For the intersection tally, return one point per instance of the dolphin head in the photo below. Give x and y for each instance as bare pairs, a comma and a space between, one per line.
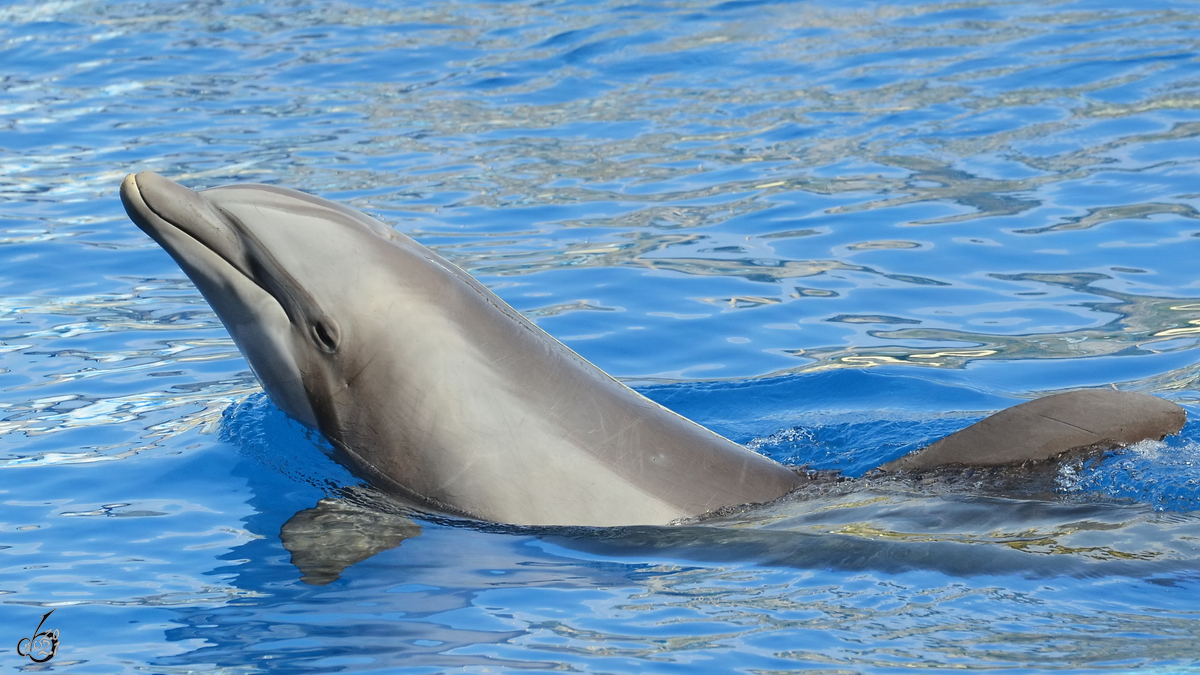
279, 267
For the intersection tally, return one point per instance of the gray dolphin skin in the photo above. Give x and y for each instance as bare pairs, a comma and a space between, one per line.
430, 385
434, 389
1048, 427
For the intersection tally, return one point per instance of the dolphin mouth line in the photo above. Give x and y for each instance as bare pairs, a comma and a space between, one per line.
132, 192
257, 258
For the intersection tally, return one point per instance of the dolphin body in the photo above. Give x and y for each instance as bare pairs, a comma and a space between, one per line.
429, 384
434, 389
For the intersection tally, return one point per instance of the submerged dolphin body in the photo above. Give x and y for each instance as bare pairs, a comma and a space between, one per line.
434, 389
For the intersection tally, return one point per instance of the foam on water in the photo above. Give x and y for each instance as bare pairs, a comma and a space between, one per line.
1165, 474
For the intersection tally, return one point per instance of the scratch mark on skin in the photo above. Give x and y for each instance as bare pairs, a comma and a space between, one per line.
1055, 419
358, 373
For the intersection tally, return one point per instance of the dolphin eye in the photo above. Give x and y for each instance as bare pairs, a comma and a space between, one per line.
325, 335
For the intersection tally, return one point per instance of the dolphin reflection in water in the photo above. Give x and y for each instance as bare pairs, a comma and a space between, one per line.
438, 393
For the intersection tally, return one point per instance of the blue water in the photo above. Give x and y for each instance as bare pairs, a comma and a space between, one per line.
832, 231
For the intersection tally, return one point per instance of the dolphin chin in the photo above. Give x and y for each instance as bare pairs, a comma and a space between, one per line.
434, 389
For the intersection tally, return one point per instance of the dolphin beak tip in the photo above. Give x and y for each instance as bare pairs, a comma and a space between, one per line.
131, 194
147, 187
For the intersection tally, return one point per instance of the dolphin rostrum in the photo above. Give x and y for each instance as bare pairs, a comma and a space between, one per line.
434, 389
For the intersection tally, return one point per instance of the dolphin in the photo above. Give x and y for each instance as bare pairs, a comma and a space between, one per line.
428, 384
435, 390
